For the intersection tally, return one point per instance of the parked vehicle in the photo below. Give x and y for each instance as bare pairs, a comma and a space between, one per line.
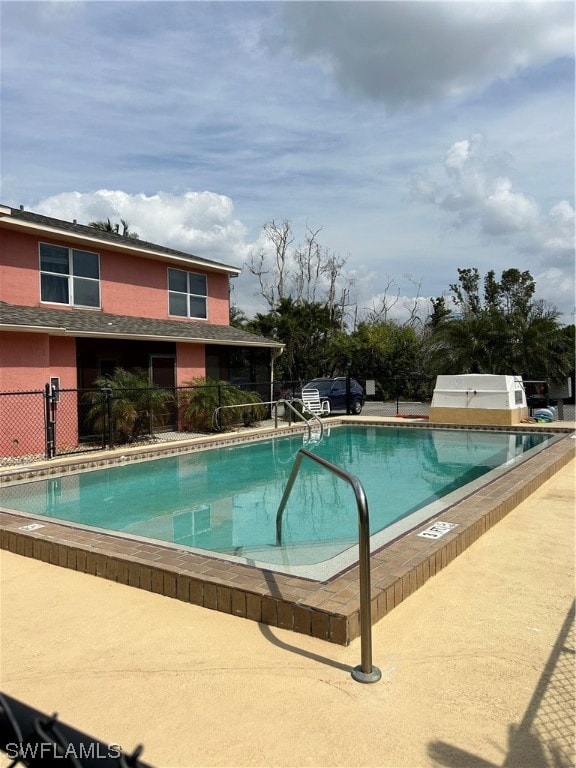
333, 392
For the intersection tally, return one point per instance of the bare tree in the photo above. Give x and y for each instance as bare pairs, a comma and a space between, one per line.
348, 307
412, 306
306, 272
273, 277
379, 312
391, 296
308, 267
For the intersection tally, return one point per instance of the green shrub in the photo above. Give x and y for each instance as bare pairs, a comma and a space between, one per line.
198, 404
138, 406
256, 412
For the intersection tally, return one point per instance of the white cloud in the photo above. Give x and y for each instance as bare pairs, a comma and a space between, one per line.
558, 285
476, 196
201, 223
558, 235
505, 211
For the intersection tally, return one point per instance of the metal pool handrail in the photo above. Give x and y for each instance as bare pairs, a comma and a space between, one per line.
217, 410
275, 404
300, 416
365, 672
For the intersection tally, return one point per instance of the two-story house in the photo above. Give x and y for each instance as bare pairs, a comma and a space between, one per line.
77, 302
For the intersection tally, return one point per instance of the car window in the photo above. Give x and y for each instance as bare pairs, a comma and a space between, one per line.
321, 385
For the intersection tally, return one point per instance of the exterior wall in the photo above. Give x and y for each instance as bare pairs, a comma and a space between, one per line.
129, 285
63, 361
63, 365
19, 269
504, 417
139, 288
27, 363
190, 362
31, 359
24, 362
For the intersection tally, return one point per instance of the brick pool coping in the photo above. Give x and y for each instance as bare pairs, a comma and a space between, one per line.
329, 610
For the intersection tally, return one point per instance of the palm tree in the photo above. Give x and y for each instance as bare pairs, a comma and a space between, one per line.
533, 346
508, 333
198, 403
107, 226
138, 406
463, 345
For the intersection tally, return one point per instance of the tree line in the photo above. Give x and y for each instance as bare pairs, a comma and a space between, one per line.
484, 324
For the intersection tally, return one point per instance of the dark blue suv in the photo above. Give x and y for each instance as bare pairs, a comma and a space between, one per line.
333, 391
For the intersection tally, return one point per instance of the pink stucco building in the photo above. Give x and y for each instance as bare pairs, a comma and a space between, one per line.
77, 302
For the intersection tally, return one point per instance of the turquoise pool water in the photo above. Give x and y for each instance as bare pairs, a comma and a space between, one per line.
225, 499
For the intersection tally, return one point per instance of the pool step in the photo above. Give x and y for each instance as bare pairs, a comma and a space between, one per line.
299, 553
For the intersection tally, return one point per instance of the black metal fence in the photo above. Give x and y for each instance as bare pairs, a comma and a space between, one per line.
54, 422
46, 423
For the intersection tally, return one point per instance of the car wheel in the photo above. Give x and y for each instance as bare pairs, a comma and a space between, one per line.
356, 406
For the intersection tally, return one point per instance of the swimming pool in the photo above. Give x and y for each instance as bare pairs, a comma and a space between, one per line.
224, 500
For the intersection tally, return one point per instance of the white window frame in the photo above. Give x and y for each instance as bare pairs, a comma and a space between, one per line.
188, 293
69, 276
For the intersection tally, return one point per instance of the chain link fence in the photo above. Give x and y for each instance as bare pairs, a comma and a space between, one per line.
43, 424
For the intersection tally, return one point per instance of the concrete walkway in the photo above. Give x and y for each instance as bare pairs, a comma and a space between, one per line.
477, 665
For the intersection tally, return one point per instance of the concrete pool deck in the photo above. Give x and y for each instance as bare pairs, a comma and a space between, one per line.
477, 665
328, 610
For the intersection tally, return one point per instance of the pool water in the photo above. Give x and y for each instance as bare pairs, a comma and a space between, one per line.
225, 499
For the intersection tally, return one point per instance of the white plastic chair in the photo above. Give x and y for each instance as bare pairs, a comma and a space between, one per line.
313, 404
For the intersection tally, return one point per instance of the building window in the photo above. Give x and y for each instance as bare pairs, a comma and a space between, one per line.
187, 294
69, 276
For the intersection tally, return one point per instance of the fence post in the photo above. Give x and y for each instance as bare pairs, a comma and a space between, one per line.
107, 405
49, 422
348, 390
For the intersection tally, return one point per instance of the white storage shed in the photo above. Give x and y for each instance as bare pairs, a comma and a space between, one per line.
478, 399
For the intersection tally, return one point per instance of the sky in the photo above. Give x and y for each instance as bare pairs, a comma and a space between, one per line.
418, 137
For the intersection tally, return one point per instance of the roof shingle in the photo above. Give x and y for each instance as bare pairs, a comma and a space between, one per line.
113, 238
81, 322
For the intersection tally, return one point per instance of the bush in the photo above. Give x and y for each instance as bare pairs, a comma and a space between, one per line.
256, 412
137, 406
198, 404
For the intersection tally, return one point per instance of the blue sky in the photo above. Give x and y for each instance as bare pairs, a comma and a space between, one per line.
420, 136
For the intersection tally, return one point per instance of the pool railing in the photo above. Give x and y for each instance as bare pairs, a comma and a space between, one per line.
274, 404
365, 672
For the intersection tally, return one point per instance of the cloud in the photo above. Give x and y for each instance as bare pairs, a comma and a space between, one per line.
246, 112
506, 211
558, 234
409, 52
476, 197
201, 223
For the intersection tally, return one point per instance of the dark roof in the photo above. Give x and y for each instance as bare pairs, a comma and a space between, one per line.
114, 239
95, 324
